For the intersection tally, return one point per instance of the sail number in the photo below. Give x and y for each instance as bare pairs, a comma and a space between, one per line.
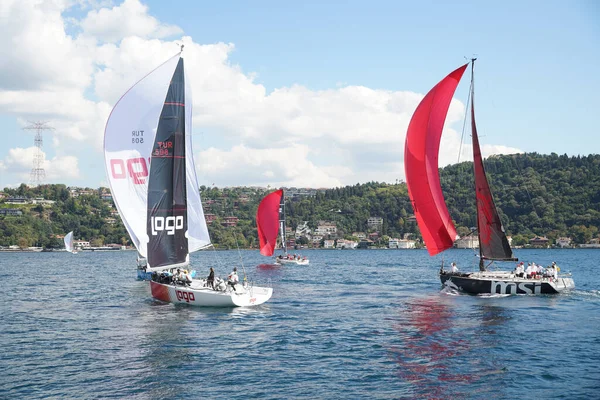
169, 224
137, 137
135, 168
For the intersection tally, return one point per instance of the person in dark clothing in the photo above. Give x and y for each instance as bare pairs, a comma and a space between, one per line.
211, 278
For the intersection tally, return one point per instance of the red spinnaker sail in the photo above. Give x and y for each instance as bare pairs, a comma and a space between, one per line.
493, 244
267, 222
421, 164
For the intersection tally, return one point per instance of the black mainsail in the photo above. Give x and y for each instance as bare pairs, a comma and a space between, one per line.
167, 206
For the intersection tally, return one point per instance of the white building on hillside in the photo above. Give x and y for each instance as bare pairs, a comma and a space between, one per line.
302, 230
401, 243
326, 228
346, 244
375, 222
467, 242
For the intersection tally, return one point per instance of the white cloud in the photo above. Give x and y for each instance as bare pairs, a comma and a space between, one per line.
289, 136
287, 166
37, 54
128, 19
488, 150
19, 163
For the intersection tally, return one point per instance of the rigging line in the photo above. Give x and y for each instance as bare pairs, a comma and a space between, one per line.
241, 259
238, 247
462, 136
219, 263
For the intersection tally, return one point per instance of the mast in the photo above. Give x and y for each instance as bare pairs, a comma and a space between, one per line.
282, 221
493, 244
474, 134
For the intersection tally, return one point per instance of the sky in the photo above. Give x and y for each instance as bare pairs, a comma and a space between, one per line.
308, 94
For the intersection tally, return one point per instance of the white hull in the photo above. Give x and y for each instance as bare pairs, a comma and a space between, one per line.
198, 295
284, 261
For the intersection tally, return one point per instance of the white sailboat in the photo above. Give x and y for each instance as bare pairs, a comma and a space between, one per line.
69, 243
150, 166
270, 222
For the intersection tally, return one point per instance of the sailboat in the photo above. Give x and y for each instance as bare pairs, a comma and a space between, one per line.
425, 192
270, 222
150, 166
69, 243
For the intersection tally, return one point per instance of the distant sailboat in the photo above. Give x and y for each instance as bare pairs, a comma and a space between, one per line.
438, 231
270, 222
150, 164
69, 243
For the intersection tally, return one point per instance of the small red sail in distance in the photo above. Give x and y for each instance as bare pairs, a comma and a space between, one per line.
421, 164
267, 222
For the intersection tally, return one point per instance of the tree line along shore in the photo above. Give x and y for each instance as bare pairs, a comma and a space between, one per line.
550, 196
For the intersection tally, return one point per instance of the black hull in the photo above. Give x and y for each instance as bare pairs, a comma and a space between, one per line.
476, 285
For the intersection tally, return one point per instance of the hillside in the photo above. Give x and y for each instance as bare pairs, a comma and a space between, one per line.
536, 194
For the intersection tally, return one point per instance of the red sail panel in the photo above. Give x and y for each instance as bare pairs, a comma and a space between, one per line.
493, 243
267, 222
421, 164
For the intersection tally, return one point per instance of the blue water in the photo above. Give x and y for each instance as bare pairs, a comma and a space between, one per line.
352, 325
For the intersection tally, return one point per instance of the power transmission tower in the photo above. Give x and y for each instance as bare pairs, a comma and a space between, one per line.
38, 174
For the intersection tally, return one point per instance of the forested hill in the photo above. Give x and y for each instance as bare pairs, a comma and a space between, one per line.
536, 194
546, 195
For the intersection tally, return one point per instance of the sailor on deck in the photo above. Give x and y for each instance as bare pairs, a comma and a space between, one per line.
555, 269
519, 271
210, 281
233, 278
453, 267
530, 270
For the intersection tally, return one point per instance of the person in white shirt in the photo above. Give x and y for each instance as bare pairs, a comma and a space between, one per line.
233, 278
529, 270
186, 277
519, 270
549, 271
453, 267
537, 270
556, 269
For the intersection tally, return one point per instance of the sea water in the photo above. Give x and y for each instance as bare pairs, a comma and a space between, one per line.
354, 324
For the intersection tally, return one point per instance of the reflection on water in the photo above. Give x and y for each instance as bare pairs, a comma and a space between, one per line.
356, 324
269, 267
440, 342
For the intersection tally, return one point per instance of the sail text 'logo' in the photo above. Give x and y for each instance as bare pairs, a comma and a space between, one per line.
501, 287
169, 224
185, 296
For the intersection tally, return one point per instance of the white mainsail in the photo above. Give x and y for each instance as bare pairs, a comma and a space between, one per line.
69, 242
128, 142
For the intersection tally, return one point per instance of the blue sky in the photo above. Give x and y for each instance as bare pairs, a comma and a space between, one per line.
327, 62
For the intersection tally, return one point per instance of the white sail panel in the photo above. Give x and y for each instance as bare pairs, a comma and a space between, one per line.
128, 142
198, 236
69, 242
